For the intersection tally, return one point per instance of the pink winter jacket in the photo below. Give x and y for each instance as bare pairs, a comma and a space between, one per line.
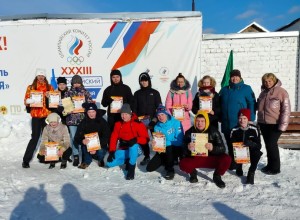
274, 106
180, 97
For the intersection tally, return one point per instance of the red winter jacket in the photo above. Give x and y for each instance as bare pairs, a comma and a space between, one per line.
127, 131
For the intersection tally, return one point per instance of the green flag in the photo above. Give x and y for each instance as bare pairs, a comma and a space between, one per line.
229, 68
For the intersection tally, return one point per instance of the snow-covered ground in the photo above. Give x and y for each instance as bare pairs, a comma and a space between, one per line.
100, 193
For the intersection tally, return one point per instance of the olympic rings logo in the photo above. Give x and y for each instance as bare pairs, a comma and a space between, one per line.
75, 60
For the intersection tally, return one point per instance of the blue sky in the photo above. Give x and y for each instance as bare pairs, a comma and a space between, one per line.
219, 16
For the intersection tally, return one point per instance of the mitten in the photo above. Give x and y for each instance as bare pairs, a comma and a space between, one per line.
111, 156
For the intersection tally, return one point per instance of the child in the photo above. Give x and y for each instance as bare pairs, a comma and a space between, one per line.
249, 134
55, 131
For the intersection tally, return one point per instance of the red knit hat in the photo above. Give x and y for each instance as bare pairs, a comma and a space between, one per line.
245, 112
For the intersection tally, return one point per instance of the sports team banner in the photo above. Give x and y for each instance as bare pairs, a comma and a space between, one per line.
164, 44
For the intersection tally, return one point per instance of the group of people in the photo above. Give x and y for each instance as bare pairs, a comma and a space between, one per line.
131, 117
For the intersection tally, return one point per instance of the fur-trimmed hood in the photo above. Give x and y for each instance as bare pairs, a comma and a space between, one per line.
174, 88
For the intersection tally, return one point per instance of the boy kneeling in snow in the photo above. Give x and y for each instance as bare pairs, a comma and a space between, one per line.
57, 132
95, 124
249, 134
216, 158
127, 135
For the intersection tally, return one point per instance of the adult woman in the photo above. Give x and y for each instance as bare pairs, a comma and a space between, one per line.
35, 97
274, 110
180, 95
207, 89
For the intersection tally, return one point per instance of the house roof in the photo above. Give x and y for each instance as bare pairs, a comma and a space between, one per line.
253, 27
288, 26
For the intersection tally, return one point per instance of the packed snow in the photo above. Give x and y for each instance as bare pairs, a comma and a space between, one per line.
101, 193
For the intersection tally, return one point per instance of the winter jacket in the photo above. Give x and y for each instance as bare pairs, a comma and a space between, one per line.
60, 134
132, 132
74, 119
99, 125
250, 136
38, 112
180, 96
173, 131
146, 100
214, 137
214, 119
233, 98
274, 106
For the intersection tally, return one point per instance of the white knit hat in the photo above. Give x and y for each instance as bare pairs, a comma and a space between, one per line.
40, 72
53, 117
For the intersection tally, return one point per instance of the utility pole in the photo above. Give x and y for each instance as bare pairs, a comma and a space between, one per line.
193, 5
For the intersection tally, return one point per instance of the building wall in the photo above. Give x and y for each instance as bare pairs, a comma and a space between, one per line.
255, 54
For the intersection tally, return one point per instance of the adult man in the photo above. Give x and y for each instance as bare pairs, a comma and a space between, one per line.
145, 102
216, 158
233, 98
116, 89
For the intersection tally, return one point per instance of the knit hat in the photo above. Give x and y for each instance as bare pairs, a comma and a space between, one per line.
89, 106
115, 72
76, 79
245, 112
161, 109
40, 72
126, 108
53, 117
235, 73
61, 80
144, 77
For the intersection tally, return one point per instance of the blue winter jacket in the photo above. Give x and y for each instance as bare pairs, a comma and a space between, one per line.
233, 98
173, 131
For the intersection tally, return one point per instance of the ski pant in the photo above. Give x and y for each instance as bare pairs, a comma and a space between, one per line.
131, 153
271, 135
37, 126
220, 162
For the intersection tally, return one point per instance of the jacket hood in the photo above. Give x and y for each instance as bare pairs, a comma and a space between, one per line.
145, 75
116, 72
176, 89
205, 115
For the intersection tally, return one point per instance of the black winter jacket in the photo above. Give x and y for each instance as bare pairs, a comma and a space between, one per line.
98, 124
146, 101
249, 136
214, 137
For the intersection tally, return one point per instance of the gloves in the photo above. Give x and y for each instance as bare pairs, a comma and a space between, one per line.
132, 142
60, 108
29, 101
111, 156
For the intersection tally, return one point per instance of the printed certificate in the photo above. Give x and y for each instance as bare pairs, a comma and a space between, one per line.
78, 101
51, 151
94, 142
200, 140
144, 119
160, 142
37, 96
241, 153
205, 103
54, 99
178, 112
116, 105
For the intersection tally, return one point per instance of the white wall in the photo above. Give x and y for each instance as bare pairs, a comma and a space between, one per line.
255, 54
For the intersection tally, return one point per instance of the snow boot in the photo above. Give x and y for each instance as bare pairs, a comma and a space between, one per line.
218, 181
193, 177
170, 175
83, 166
101, 163
250, 178
25, 165
52, 165
63, 164
131, 171
76, 161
